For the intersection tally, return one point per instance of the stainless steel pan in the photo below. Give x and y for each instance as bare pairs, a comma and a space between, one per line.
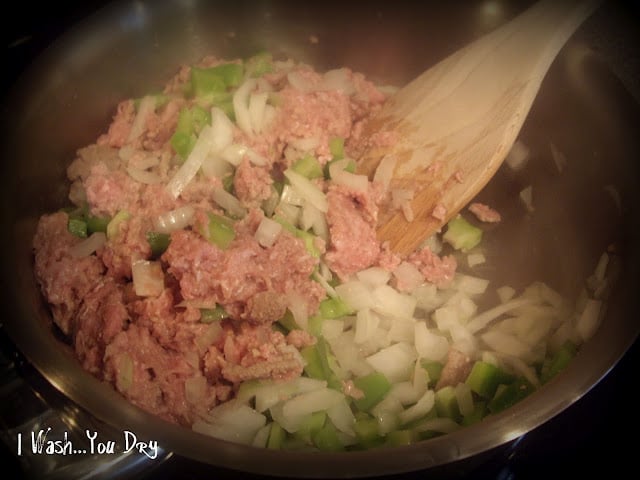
130, 48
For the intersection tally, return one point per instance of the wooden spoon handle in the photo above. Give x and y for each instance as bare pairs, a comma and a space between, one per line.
458, 120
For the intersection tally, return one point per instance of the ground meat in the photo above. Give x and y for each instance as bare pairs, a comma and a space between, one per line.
100, 318
120, 126
438, 270
353, 244
64, 280
484, 213
149, 375
161, 125
110, 191
252, 184
456, 369
254, 352
232, 277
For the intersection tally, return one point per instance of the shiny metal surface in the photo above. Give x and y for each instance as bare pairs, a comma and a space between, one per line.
129, 48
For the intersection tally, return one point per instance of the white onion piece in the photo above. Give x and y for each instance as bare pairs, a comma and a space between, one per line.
147, 106
589, 319
308, 190
481, 321
384, 172
338, 79
518, 156
408, 276
234, 153
241, 106
144, 176
222, 130
267, 232
214, 166
148, 278
297, 81
257, 104
193, 162
506, 344
176, 219
342, 417
305, 144
228, 202
357, 183
429, 345
88, 246
255, 158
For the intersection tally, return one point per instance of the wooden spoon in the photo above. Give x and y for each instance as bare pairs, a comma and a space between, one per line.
456, 122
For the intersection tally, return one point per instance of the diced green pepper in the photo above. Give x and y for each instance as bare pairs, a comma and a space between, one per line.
311, 425
220, 231
398, 438
182, 143
210, 315
366, 430
434, 369
288, 322
478, 413
276, 436
318, 364
77, 227
327, 438
336, 147
308, 166
510, 395
461, 235
190, 122
97, 224
259, 64
446, 403
484, 378
215, 79
314, 325
559, 361
334, 308
159, 242
374, 386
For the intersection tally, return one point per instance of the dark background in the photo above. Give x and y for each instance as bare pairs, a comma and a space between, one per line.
597, 435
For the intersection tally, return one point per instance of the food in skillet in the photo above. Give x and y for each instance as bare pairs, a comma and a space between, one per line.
220, 267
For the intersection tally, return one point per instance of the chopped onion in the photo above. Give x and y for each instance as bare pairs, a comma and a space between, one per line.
232, 422
505, 293
214, 166
297, 81
518, 156
193, 162
306, 144
589, 319
474, 259
338, 79
464, 399
267, 232
309, 402
429, 345
374, 276
357, 183
389, 301
384, 172
308, 190
507, 344
222, 130
408, 276
148, 278
176, 219
366, 325
257, 104
342, 417
228, 202
143, 176
88, 246
420, 409
241, 106
395, 362
481, 321
147, 106
234, 153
